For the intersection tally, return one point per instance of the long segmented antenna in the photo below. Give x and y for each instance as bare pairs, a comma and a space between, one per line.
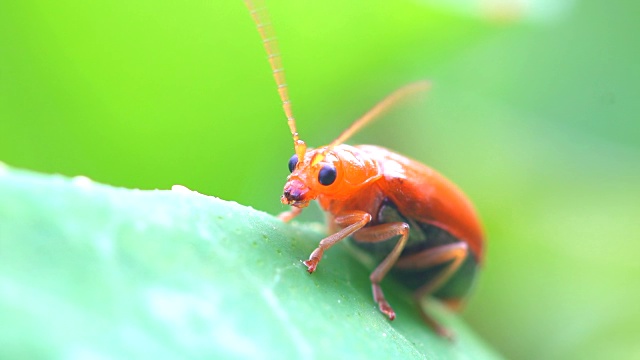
374, 113
258, 12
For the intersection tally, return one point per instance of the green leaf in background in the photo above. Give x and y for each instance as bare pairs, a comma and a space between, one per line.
93, 271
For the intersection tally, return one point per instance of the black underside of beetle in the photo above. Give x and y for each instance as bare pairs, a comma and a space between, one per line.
422, 237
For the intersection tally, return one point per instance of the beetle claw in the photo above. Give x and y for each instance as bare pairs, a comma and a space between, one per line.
311, 264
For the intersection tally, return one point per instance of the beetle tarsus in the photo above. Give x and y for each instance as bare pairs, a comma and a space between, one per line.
446, 333
386, 309
313, 261
441, 330
383, 304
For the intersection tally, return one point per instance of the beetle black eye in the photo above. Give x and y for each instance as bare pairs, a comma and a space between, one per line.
293, 162
327, 175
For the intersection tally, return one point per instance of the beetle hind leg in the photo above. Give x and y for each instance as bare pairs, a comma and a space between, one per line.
451, 254
380, 233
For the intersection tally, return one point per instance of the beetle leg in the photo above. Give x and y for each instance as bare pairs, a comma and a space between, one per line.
453, 254
286, 216
381, 233
351, 222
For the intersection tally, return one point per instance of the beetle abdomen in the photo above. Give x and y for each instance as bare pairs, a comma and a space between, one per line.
422, 237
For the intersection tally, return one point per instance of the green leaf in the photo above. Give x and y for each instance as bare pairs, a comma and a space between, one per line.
89, 270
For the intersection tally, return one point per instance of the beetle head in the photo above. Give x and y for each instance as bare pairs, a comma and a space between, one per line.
336, 173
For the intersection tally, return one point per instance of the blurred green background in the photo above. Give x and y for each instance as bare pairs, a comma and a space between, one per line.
534, 113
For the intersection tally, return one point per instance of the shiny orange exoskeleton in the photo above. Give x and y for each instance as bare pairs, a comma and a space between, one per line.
415, 223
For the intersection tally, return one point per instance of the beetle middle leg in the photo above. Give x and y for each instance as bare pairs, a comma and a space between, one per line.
380, 233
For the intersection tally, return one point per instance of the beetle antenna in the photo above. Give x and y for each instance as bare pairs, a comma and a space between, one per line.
374, 113
260, 15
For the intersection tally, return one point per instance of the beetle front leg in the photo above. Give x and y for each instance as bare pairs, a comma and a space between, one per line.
380, 233
287, 216
351, 222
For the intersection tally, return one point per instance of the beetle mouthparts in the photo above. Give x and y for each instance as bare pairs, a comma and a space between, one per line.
285, 201
294, 191
297, 203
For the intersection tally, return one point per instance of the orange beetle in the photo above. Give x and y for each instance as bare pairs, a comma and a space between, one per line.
419, 226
